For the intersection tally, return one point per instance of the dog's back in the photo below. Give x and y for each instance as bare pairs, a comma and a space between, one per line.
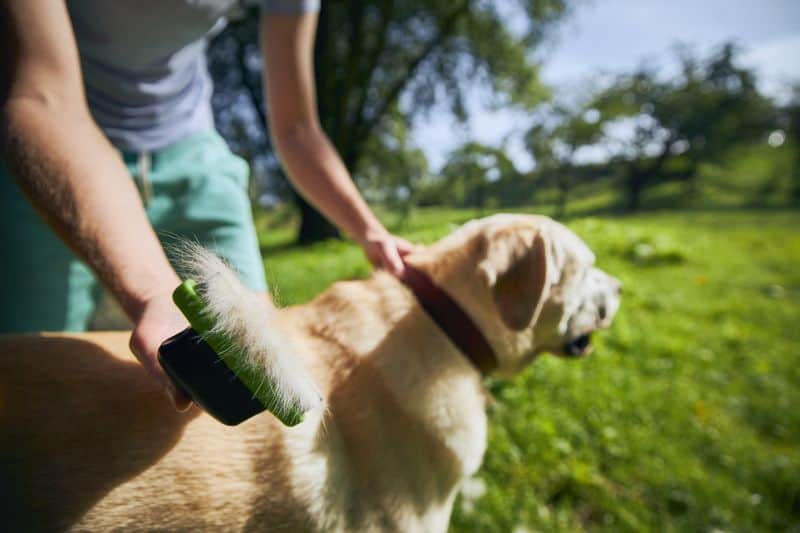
88, 441
78, 419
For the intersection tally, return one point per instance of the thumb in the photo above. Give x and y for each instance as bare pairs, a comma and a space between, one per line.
405, 247
391, 258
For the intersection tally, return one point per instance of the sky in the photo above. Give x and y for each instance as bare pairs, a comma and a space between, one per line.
614, 36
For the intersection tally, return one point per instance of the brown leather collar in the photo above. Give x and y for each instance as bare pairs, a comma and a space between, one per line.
449, 316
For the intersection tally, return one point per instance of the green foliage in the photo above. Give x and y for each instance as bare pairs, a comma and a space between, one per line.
370, 54
789, 118
392, 172
685, 418
554, 141
695, 117
469, 174
380, 63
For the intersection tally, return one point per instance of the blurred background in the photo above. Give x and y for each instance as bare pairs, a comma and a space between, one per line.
667, 135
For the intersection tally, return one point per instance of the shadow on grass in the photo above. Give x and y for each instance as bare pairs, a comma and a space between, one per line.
620, 211
279, 247
418, 221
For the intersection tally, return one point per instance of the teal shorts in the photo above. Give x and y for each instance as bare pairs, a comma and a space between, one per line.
195, 188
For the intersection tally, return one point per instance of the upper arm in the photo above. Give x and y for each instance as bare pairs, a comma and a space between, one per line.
287, 44
38, 55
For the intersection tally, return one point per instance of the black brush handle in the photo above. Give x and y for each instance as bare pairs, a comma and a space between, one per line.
197, 370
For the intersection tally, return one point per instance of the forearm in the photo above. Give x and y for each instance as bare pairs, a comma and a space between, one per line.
287, 42
72, 175
320, 176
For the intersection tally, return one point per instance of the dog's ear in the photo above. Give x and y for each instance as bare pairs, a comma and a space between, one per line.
515, 269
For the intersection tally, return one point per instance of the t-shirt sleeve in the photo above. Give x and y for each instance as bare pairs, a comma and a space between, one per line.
289, 7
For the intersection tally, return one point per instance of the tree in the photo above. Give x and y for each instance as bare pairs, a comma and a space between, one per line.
373, 57
556, 138
683, 121
790, 119
470, 172
391, 169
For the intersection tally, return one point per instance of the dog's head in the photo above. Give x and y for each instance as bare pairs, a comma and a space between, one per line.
529, 283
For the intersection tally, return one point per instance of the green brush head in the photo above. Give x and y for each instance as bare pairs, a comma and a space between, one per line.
258, 384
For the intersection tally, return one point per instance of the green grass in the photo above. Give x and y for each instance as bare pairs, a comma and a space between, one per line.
686, 418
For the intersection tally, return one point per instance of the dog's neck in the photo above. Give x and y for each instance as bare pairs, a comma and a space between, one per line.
407, 363
451, 319
437, 384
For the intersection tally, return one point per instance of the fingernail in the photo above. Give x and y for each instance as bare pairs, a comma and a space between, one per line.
170, 395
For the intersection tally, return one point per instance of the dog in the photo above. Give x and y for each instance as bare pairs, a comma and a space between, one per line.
88, 442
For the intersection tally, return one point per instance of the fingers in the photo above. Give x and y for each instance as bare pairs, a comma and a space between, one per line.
392, 260
181, 400
387, 251
405, 247
148, 358
154, 327
177, 398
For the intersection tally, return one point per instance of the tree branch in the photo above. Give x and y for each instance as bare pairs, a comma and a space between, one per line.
356, 43
387, 10
363, 128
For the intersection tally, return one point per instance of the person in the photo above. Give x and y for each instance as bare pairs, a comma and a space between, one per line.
97, 91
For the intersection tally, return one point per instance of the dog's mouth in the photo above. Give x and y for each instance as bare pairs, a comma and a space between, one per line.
579, 346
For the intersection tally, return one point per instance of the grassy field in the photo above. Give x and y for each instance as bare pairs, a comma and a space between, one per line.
686, 418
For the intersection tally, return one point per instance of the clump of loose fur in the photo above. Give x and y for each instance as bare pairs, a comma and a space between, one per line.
250, 321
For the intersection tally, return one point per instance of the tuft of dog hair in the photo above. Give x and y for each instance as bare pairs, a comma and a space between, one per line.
250, 321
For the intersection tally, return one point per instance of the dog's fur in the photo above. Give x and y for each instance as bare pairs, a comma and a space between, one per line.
87, 441
246, 324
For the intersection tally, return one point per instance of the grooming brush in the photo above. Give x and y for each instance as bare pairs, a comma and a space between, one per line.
234, 361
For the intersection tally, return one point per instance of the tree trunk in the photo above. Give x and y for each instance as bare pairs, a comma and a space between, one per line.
563, 196
313, 226
692, 187
635, 186
561, 206
796, 180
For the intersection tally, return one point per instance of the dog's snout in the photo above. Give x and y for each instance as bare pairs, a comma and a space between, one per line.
616, 285
608, 302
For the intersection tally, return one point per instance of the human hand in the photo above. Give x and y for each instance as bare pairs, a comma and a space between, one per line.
158, 320
385, 250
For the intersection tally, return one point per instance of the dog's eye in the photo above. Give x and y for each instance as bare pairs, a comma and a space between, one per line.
602, 312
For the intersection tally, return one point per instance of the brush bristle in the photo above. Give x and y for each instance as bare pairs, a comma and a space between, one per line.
250, 321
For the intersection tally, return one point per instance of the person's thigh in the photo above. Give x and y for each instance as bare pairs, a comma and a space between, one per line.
44, 286
200, 192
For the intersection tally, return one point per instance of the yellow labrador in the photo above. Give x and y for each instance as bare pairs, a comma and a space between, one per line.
88, 442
